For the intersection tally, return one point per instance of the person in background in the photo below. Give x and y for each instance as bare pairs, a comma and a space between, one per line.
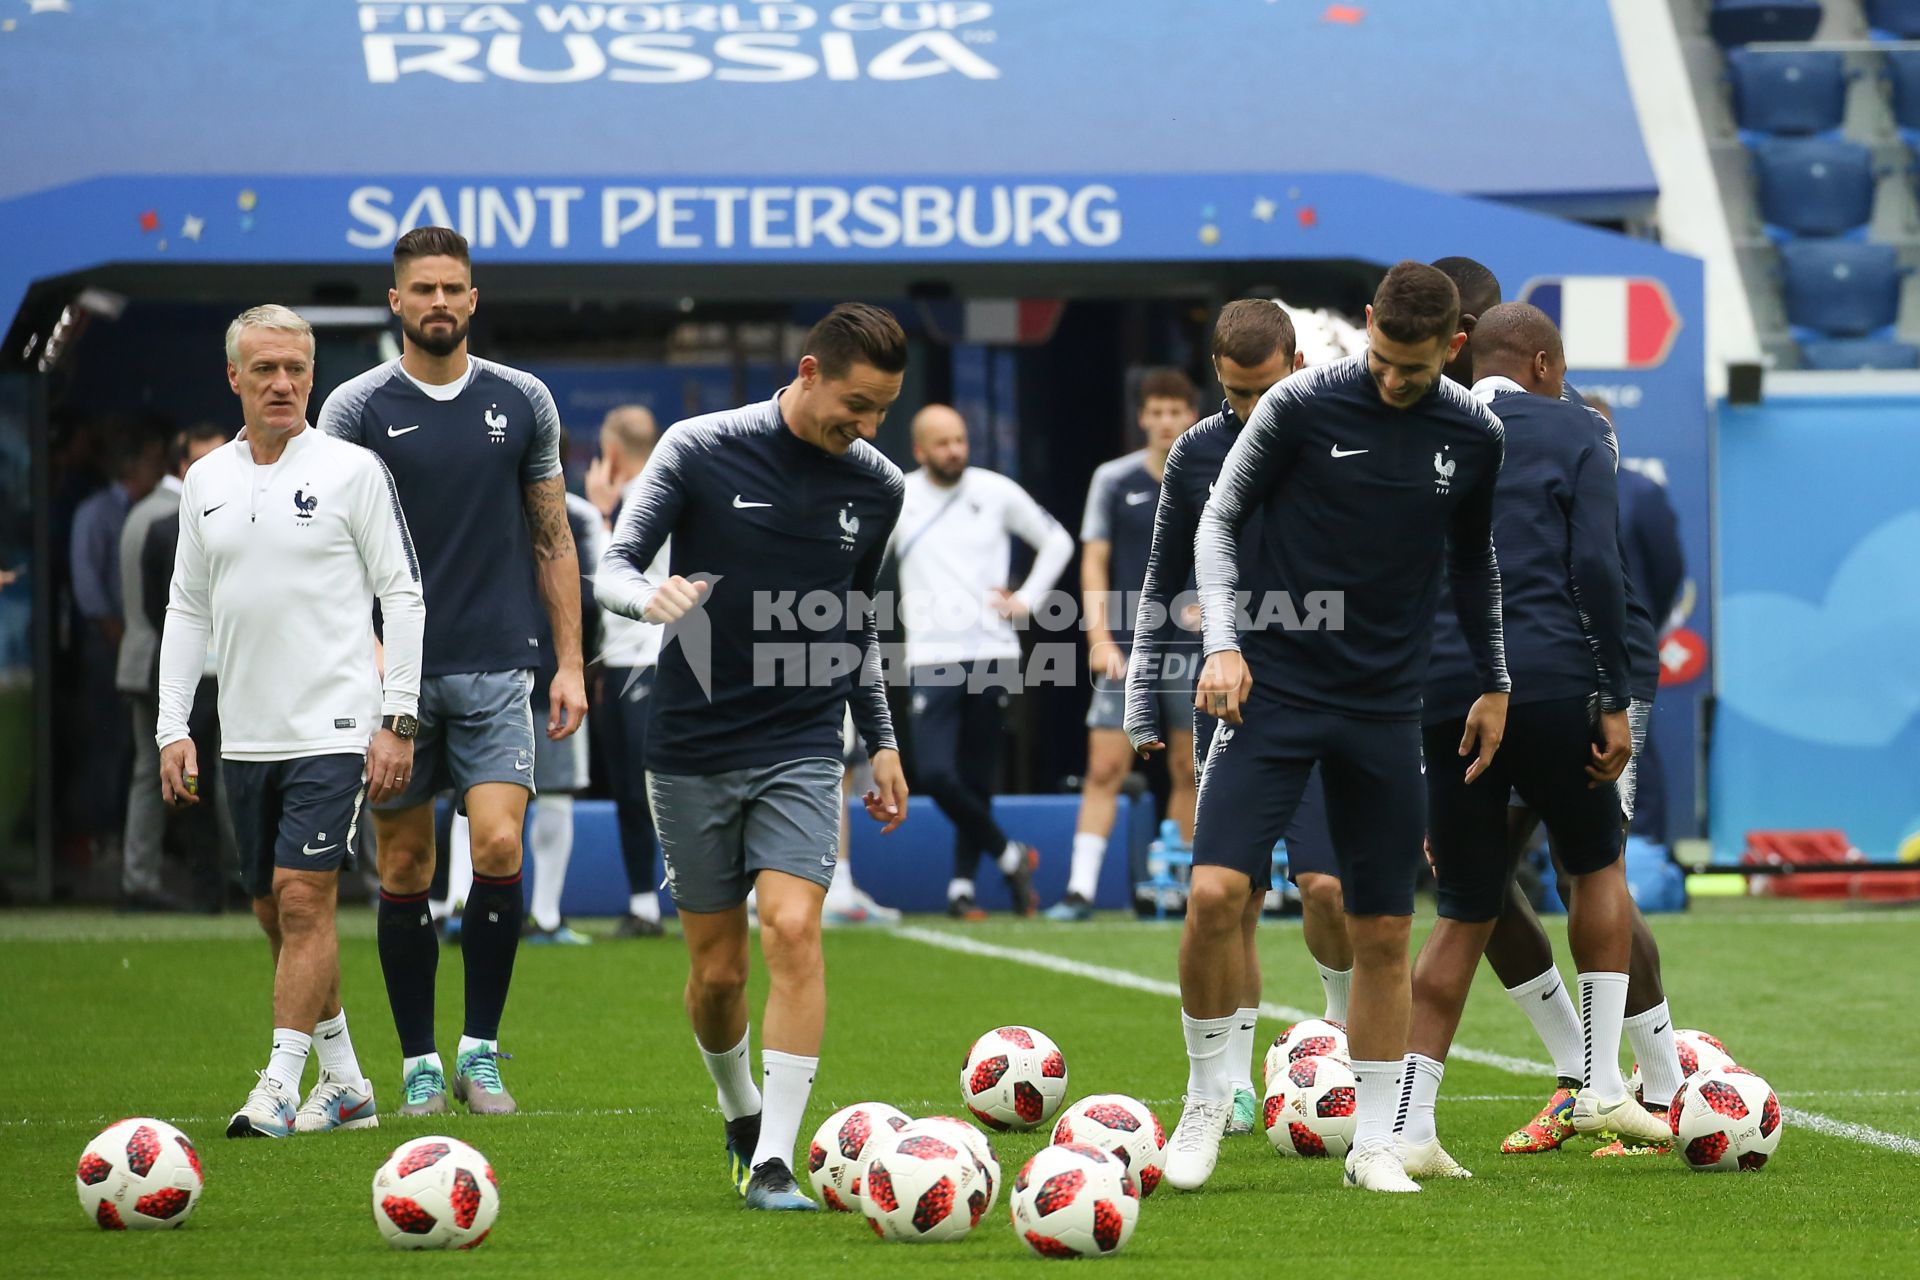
136, 675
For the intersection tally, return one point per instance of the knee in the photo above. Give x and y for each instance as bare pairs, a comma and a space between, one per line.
496, 849
1320, 896
1215, 907
1106, 772
1180, 765
406, 864
790, 937
1379, 941
716, 979
269, 918
301, 908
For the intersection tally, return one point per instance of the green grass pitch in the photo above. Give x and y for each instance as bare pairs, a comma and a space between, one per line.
615, 1165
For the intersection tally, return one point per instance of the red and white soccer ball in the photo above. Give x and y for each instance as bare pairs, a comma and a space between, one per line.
1309, 1108
139, 1175
840, 1147
924, 1187
976, 1142
1313, 1038
435, 1193
1074, 1201
1725, 1118
1125, 1128
1015, 1078
1697, 1052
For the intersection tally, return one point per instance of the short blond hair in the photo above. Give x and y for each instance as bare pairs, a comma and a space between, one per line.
633, 429
267, 316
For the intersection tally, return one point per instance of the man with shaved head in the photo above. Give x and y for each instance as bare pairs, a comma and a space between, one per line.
1519, 951
1556, 523
952, 545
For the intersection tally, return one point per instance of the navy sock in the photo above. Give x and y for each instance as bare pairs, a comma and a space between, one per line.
490, 938
409, 957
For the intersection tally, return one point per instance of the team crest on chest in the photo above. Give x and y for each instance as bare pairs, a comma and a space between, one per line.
1443, 471
496, 424
304, 503
849, 527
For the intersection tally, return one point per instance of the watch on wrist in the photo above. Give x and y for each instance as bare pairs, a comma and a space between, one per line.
400, 726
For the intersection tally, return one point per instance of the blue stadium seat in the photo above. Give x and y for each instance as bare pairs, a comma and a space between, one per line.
1860, 353
1897, 18
1745, 21
1903, 71
1814, 186
1788, 92
1840, 288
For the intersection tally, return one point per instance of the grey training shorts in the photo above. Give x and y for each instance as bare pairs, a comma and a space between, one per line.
720, 830
475, 727
1108, 710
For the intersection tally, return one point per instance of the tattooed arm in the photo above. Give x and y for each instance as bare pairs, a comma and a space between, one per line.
557, 567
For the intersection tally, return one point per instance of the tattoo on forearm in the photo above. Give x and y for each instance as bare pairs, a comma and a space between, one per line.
546, 506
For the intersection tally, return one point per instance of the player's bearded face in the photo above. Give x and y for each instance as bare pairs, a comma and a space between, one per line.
434, 299
438, 333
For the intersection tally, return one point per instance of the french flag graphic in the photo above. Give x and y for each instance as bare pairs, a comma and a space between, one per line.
1609, 322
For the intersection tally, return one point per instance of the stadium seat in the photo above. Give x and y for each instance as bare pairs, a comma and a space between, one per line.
1839, 287
1897, 18
1787, 93
1903, 72
1735, 22
1860, 353
1814, 186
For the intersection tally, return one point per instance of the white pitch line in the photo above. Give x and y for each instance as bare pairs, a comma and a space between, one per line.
1861, 1133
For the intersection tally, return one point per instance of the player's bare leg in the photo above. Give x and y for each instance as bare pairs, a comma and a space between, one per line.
1381, 1005
716, 999
1109, 760
298, 919
1323, 921
795, 1019
1212, 983
1246, 1102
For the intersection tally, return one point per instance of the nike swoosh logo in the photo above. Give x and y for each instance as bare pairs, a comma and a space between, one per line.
331, 1035
1135, 499
1247, 1026
522, 768
210, 510
348, 1115
740, 504
396, 432
312, 852
1662, 1027
1338, 452
1548, 995
1215, 1035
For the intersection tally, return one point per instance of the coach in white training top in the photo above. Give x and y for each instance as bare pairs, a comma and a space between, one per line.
287, 539
953, 543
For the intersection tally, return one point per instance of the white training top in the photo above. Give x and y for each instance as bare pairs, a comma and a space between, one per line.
953, 546
624, 641
281, 564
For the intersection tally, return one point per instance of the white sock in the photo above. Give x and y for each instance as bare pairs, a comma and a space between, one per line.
1010, 859
460, 869
1376, 1101
1209, 1068
552, 850
439, 908
1548, 1006
408, 1064
645, 905
336, 1049
468, 1043
1336, 983
733, 1076
958, 888
1083, 876
1419, 1089
1240, 1049
1603, 1010
787, 1080
840, 889
289, 1060
1651, 1035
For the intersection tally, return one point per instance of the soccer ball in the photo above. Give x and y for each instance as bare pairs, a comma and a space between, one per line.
1014, 1078
1122, 1127
925, 1186
1725, 1118
1313, 1038
840, 1147
139, 1174
976, 1142
435, 1193
1074, 1201
1309, 1108
1697, 1052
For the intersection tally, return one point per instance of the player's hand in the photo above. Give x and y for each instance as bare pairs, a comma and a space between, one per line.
1486, 725
1008, 605
389, 766
1611, 753
1191, 617
1105, 659
601, 491
1224, 685
1426, 847
674, 600
567, 698
180, 774
887, 802
1146, 749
